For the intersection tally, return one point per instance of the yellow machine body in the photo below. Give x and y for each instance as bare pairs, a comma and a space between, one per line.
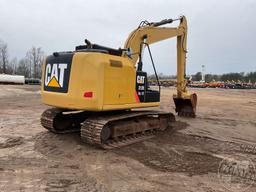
96, 78
81, 85
109, 81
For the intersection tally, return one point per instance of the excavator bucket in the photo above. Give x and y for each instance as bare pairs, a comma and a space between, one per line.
186, 107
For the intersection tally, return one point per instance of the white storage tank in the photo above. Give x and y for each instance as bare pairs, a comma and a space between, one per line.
12, 79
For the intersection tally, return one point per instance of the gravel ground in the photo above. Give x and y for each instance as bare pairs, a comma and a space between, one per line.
212, 153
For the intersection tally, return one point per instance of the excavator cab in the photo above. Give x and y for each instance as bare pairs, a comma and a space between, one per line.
145, 94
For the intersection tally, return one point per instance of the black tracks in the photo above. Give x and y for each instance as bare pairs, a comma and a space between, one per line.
92, 125
91, 129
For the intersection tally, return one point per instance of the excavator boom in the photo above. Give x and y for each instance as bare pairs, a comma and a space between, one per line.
150, 33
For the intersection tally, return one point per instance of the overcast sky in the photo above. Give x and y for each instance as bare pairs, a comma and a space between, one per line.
221, 36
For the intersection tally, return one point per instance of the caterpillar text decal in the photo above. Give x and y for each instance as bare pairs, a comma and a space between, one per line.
57, 71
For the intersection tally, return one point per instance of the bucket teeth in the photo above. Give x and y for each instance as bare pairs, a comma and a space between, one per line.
186, 107
186, 114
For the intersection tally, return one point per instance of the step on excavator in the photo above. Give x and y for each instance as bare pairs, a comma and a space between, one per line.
98, 90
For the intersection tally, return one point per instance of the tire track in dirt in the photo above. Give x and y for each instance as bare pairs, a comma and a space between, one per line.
174, 151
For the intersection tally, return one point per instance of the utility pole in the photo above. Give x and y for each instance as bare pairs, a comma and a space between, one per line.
203, 73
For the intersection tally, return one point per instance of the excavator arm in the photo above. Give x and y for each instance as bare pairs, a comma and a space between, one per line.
149, 33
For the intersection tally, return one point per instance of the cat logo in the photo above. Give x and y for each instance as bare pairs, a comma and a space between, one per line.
140, 79
57, 72
54, 75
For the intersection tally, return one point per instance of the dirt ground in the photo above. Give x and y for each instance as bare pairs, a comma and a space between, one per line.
185, 158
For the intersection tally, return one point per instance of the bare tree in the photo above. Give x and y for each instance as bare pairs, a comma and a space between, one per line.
3, 56
23, 67
35, 58
13, 66
30, 66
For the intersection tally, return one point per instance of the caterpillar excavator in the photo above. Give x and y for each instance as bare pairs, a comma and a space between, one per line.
97, 90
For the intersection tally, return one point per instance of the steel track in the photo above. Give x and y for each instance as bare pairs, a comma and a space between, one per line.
91, 129
91, 126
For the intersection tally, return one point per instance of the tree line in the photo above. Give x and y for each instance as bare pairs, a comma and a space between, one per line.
29, 66
243, 77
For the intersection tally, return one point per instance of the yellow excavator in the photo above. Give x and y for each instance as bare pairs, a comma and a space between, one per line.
97, 90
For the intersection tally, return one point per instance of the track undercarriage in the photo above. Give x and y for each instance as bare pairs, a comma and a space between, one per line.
108, 129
